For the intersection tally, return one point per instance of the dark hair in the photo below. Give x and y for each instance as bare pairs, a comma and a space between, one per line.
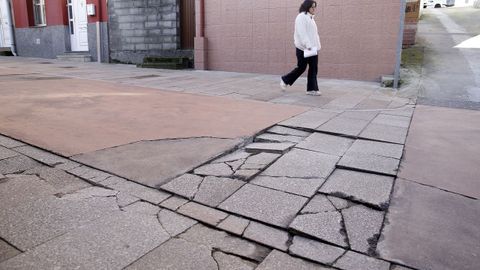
306, 5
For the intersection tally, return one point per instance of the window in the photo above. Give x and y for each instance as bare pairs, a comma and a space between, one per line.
39, 13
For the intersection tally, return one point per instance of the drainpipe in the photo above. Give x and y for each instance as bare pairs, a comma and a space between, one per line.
99, 50
200, 46
12, 27
396, 76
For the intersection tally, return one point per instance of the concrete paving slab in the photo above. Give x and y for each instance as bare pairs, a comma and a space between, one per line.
377, 148
408, 237
124, 199
147, 194
234, 224
185, 185
112, 242
261, 159
128, 114
344, 126
177, 254
385, 133
303, 164
16, 190
278, 148
363, 227
173, 203
214, 169
7, 251
235, 156
143, 208
328, 144
41, 155
7, 153
279, 260
318, 204
59, 179
288, 131
202, 213
367, 188
339, 203
153, 163
392, 120
315, 250
299, 186
370, 163
224, 242
309, 120
439, 151
174, 223
263, 204
9, 142
90, 174
362, 115
214, 190
326, 226
17, 164
268, 137
356, 261
229, 262
267, 235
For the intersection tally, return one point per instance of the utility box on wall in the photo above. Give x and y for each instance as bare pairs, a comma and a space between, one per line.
91, 9
412, 14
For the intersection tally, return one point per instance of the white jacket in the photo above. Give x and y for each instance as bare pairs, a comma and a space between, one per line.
306, 32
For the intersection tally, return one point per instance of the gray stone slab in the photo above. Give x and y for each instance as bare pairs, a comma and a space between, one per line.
429, 228
398, 267
7, 153
214, 169
303, 164
377, 148
59, 179
147, 194
235, 164
237, 155
268, 137
124, 199
174, 223
68, 165
185, 185
267, 205
392, 120
173, 203
367, 188
402, 111
202, 213
370, 163
7, 251
328, 144
326, 226
89, 174
318, 204
111, 242
279, 260
177, 254
385, 133
222, 241
36, 222
234, 224
267, 235
310, 120
288, 131
40, 155
344, 126
214, 190
300, 186
361, 115
315, 250
154, 163
17, 164
16, 190
363, 227
278, 148
356, 261
245, 175
9, 143
339, 203
229, 262
261, 159
143, 208
90, 192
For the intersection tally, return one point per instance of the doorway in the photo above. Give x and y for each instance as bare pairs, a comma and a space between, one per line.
6, 32
187, 24
78, 25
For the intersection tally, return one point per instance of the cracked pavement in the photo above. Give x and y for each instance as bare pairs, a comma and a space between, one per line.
280, 181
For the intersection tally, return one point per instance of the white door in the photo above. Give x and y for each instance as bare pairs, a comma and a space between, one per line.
5, 24
78, 24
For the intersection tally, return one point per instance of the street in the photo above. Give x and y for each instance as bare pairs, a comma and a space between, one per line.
108, 166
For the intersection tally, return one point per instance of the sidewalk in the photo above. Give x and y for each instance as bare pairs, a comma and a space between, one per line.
109, 166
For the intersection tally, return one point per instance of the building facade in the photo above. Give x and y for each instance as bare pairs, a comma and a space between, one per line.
49, 28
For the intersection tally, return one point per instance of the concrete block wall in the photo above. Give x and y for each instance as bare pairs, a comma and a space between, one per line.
140, 28
358, 36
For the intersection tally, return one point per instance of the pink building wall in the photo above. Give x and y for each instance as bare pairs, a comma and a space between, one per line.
358, 36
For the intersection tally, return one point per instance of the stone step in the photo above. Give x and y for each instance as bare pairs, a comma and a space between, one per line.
75, 57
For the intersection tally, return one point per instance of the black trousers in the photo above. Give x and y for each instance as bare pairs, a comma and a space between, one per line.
302, 63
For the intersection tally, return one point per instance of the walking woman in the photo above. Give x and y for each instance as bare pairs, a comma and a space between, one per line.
307, 43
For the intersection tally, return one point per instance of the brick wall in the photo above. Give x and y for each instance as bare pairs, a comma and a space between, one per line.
358, 36
140, 28
412, 13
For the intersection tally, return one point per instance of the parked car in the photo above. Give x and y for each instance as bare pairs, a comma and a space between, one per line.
435, 3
